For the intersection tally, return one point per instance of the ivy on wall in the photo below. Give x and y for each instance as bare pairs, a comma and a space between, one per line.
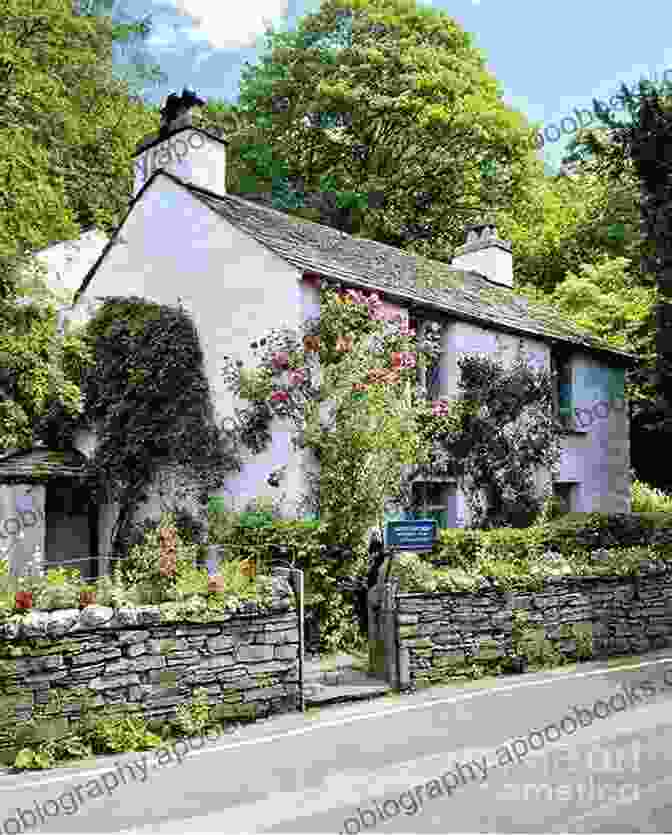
148, 398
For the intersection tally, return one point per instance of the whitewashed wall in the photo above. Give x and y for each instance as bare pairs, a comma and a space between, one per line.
176, 249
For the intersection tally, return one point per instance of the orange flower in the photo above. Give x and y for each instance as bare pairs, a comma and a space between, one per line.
344, 343
311, 343
216, 584
248, 568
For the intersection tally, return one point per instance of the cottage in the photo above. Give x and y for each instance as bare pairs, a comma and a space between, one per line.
240, 268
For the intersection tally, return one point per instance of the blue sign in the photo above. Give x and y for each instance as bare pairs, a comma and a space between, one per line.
411, 535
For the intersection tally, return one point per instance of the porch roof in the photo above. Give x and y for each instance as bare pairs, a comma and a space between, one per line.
40, 464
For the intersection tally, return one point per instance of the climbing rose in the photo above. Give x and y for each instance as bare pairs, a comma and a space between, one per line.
440, 408
356, 296
279, 396
23, 600
403, 359
297, 377
280, 360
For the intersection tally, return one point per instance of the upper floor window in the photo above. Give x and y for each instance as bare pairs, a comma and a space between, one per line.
561, 368
431, 378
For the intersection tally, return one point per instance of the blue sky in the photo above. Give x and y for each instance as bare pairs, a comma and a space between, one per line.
548, 57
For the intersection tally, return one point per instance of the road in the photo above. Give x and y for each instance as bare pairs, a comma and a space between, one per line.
449, 759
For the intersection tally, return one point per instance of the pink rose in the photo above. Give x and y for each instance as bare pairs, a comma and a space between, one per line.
440, 408
297, 377
356, 296
280, 360
279, 397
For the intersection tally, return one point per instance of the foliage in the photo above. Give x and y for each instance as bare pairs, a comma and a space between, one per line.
112, 734
132, 60
147, 568
638, 149
574, 534
496, 436
648, 499
39, 372
380, 98
194, 718
63, 115
147, 393
354, 410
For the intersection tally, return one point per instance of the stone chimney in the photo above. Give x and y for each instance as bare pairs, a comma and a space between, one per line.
195, 155
486, 254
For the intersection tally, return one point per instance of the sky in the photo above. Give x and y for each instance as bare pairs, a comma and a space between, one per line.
548, 57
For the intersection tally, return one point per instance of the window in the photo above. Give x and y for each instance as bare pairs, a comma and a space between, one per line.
431, 380
432, 500
562, 381
565, 493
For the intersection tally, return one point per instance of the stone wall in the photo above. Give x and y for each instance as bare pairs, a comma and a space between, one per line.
440, 636
247, 661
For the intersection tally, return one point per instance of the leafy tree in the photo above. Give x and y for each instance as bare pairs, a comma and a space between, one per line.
67, 129
132, 60
640, 150
380, 118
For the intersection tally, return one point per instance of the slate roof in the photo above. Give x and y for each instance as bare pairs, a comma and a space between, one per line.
363, 263
394, 273
39, 464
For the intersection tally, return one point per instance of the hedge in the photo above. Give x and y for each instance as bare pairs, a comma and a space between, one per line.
573, 533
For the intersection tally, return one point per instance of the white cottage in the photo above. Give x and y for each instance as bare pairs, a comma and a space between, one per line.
241, 268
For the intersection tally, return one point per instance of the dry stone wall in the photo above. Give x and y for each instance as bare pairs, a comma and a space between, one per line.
247, 661
441, 636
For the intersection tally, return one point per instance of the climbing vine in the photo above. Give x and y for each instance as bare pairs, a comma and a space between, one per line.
148, 398
495, 437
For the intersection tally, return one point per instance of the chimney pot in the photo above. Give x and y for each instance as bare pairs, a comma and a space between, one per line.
485, 253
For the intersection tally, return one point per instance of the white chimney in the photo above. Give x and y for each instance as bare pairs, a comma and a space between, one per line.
195, 155
486, 254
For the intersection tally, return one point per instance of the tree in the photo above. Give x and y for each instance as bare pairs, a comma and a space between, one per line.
132, 61
640, 149
67, 129
379, 117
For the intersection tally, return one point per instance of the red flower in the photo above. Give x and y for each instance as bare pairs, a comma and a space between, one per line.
23, 600
403, 359
279, 397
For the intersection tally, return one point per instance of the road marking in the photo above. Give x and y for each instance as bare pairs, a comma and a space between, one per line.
348, 720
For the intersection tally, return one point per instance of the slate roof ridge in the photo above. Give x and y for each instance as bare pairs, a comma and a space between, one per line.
515, 301
464, 302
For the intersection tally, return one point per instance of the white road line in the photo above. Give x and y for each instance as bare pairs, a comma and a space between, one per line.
338, 723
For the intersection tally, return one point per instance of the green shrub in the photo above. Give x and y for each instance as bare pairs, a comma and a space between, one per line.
649, 499
110, 734
60, 576
193, 718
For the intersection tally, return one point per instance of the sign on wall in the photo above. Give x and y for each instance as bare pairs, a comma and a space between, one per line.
175, 149
411, 534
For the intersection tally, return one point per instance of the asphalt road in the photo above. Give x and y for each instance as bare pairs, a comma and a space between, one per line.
449, 759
